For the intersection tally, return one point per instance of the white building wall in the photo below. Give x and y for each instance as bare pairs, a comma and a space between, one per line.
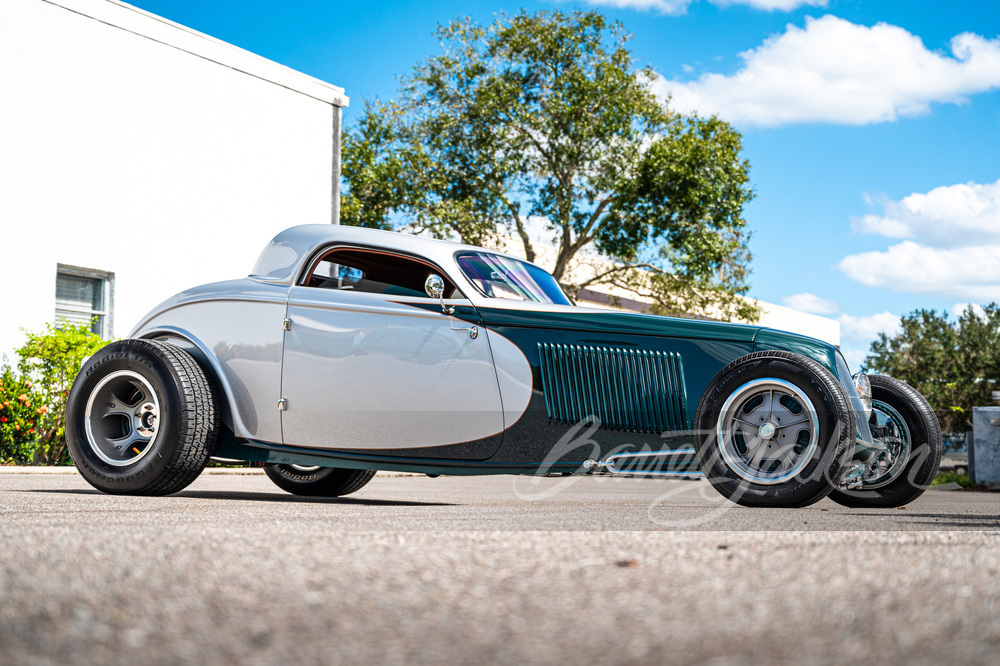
796, 321
133, 145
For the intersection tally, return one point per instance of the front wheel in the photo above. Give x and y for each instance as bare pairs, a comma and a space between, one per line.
774, 429
318, 481
903, 420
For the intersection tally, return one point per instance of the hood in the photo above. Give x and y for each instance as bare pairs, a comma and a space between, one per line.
604, 321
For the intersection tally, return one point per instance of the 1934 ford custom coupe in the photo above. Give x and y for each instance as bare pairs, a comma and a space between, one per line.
350, 350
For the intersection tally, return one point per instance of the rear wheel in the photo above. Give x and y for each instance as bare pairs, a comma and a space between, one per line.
774, 429
141, 419
903, 420
318, 481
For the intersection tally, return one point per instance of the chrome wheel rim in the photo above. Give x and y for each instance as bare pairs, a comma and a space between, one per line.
767, 431
122, 418
886, 466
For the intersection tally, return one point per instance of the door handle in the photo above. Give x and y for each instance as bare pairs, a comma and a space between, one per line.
473, 331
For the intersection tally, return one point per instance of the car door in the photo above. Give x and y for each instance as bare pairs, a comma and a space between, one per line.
374, 365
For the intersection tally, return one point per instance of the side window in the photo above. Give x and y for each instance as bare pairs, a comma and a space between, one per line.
374, 272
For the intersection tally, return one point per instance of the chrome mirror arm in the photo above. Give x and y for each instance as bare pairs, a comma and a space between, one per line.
445, 308
434, 286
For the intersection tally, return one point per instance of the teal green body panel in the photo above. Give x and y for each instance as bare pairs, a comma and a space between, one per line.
267, 452
624, 323
627, 389
821, 352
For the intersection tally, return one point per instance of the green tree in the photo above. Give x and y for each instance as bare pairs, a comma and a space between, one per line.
954, 363
52, 360
544, 119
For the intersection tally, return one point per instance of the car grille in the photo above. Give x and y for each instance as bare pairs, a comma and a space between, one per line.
626, 389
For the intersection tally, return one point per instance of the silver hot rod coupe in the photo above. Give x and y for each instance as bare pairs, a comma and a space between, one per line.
350, 350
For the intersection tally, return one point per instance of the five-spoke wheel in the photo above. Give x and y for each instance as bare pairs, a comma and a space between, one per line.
774, 429
768, 431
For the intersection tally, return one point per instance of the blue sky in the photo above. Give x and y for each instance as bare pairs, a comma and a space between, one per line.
872, 127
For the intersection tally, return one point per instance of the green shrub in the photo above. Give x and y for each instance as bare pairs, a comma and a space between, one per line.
52, 359
21, 410
953, 477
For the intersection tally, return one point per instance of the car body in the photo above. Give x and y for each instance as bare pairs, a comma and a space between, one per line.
334, 353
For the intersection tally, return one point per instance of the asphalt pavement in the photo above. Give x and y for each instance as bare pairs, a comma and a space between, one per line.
508, 570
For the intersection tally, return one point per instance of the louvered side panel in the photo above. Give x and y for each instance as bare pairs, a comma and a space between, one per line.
627, 389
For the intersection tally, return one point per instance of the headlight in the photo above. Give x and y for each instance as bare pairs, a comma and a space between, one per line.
864, 387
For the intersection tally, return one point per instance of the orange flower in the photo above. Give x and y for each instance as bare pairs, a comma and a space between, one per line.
45, 410
28, 384
17, 427
3, 419
31, 431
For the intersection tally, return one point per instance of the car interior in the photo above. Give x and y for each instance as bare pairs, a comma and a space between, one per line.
375, 272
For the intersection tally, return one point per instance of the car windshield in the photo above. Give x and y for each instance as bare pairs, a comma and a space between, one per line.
503, 277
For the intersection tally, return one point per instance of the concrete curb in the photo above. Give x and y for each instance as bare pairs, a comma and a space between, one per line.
72, 470
213, 471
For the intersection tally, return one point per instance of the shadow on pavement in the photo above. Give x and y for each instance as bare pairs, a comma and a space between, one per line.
964, 520
254, 497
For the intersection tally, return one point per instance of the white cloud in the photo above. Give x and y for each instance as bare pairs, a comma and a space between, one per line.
958, 309
861, 330
835, 71
968, 272
952, 245
772, 5
855, 357
673, 7
807, 302
949, 215
858, 333
676, 7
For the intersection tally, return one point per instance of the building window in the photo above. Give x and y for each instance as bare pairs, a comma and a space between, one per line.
85, 295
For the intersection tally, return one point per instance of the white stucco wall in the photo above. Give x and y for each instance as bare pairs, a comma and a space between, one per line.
133, 145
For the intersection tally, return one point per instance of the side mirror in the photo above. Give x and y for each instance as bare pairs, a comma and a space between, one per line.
434, 286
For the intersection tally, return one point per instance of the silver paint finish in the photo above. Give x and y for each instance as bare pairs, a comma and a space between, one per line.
288, 254
367, 371
235, 328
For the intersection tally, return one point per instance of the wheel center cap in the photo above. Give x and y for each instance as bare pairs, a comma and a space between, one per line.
767, 430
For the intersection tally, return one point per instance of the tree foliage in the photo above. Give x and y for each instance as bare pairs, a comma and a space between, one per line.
544, 119
954, 363
52, 359
21, 408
